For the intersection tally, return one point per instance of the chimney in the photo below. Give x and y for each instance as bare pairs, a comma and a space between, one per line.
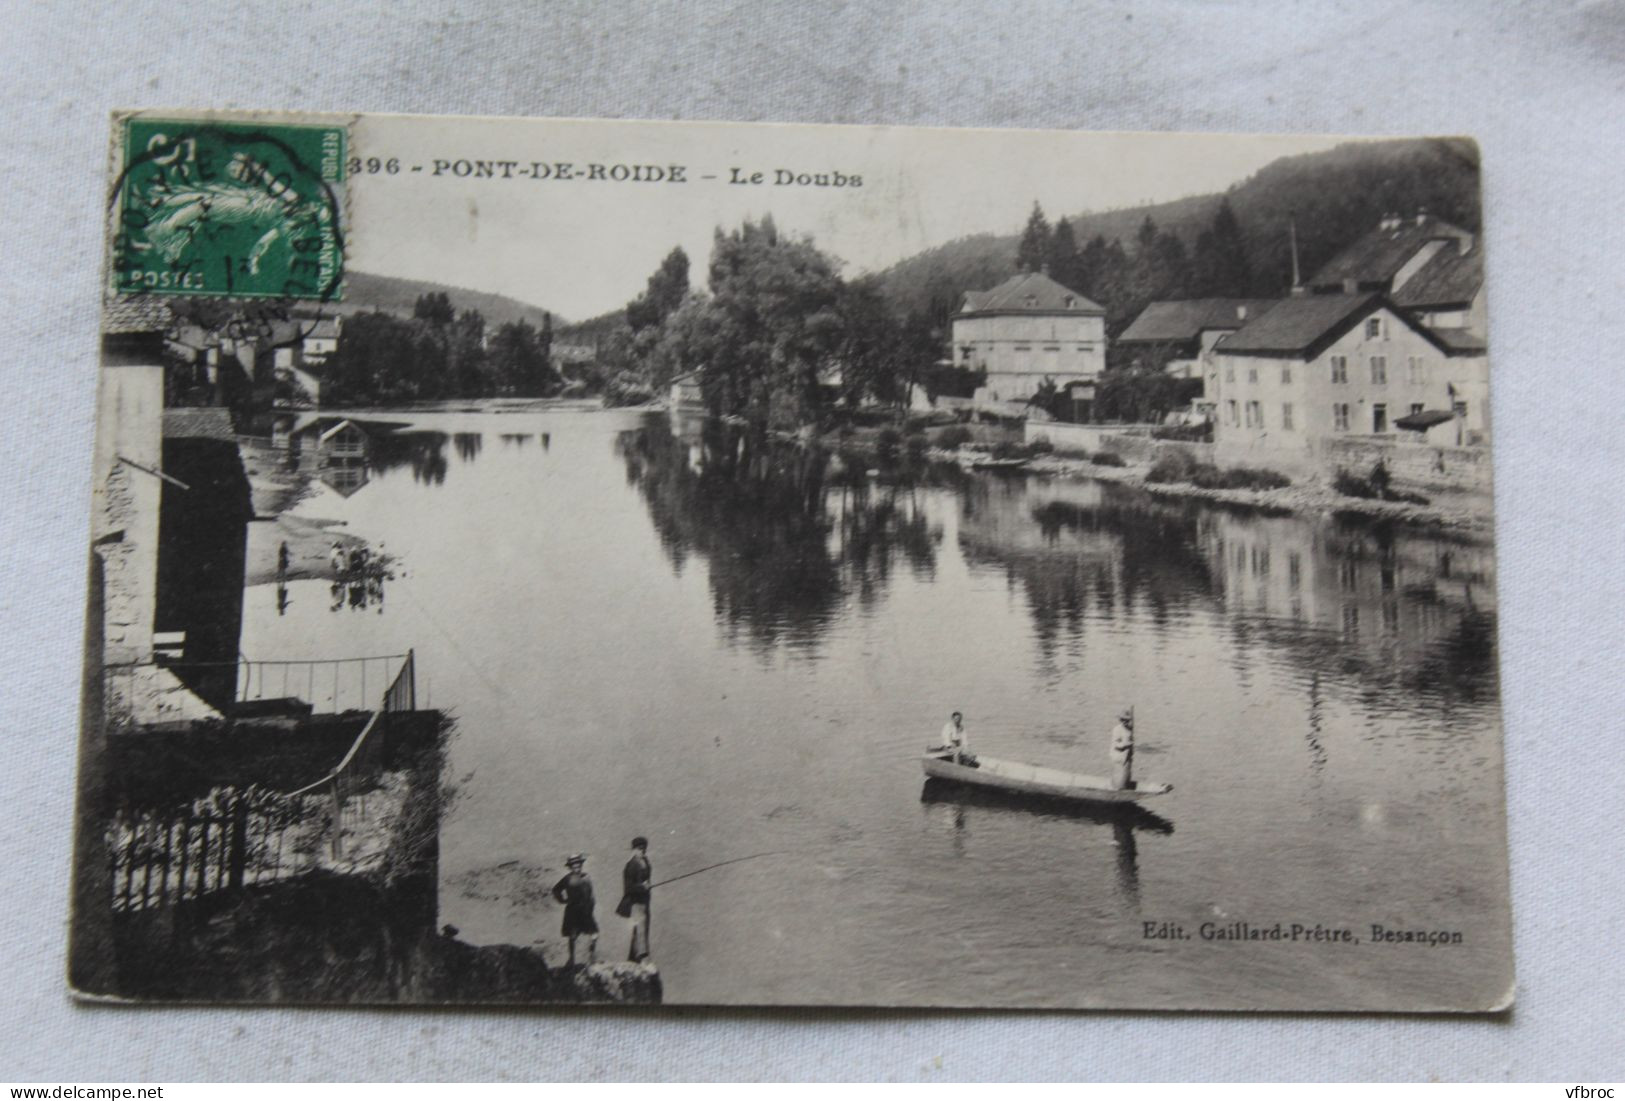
1421, 214
1292, 232
1241, 313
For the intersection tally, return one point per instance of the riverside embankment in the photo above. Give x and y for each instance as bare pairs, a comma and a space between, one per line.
1454, 511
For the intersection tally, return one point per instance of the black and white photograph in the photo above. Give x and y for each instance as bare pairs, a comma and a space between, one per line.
559, 562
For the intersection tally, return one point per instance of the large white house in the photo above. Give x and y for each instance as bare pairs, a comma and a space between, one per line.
1025, 330
1320, 365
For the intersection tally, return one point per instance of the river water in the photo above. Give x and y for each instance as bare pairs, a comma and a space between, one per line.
640, 629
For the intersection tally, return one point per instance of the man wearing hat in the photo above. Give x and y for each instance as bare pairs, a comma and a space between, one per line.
575, 892
635, 897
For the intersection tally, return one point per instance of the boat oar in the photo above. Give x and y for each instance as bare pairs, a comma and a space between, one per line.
719, 864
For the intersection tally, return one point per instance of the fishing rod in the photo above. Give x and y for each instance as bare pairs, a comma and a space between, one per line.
719, 864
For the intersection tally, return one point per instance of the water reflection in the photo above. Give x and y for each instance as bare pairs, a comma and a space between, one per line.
424, 451
358, 592
1403, 612
1124, 820
1406, 616
787, 532
345, 480
1082, 552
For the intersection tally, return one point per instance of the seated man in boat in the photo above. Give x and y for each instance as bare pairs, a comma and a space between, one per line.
955, 742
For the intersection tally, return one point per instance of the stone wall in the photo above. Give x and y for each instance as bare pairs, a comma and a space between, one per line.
1463, 468
124, 521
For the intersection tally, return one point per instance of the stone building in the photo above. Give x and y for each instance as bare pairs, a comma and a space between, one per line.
1025, 330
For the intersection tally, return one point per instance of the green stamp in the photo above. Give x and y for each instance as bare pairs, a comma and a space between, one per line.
229, 210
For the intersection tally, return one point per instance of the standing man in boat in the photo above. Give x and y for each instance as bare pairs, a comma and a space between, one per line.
575, 892
953, 737
634, 904
1123, 751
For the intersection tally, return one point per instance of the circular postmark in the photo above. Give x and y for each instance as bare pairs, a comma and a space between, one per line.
229, 210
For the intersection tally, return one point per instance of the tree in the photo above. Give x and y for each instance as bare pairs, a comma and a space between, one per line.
1064, 260
1141, 395
666, 290
519, 359
1033, 251
770, 325
434, 307
383, 359
871, 352
1220, 267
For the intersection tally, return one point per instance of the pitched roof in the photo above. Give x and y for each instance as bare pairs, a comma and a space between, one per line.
1375, 257
1030, 292
1448, 279
323, 328
340, 427
1296, 324
1163, 322
1304, 325
209, 423
136, 313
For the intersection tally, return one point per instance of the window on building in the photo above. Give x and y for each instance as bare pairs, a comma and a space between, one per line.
1024, 347
1252, 374
1286, 415
1379, 418
1340, 416
1418, 374
1416, 407
1286, 374
1379, 370
1340, 368
1459, 408
1255, 414
1235, 417
1230, 374
1373, 328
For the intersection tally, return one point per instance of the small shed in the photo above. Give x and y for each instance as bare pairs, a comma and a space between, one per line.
344, 444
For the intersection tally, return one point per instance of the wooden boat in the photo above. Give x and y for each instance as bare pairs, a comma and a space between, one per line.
999, 464
1028, 779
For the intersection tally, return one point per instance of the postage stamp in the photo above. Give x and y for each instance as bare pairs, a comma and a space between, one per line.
229, 210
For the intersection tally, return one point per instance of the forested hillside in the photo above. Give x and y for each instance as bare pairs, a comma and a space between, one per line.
365, 291
1185, 248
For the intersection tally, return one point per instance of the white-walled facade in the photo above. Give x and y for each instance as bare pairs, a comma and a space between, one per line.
1379, 370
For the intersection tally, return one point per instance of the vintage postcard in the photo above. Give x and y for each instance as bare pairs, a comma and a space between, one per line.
545, 561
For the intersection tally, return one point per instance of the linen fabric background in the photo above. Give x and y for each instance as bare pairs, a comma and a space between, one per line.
1539, 85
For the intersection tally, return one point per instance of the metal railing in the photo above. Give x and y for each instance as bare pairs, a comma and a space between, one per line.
327, 686
348, 782
226, 840
236, 837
